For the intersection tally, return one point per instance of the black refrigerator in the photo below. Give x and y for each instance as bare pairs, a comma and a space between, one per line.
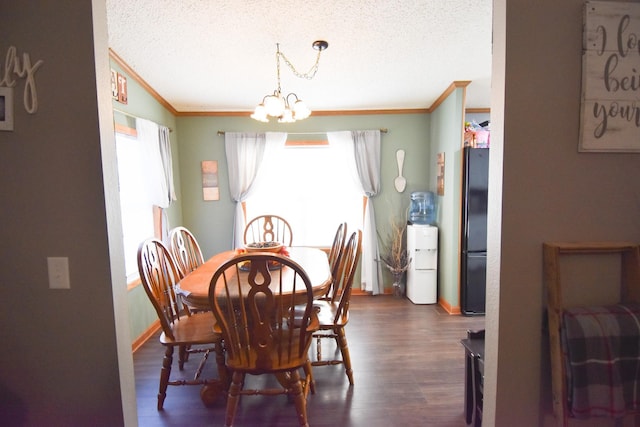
473, 265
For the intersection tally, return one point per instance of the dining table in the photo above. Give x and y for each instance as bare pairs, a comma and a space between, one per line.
194, 288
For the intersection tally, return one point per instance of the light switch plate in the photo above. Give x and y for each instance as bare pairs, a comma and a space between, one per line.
58, 272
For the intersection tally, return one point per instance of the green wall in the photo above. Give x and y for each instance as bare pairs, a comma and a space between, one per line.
195, 138
199, 140
142, 104
211, 220
446, 137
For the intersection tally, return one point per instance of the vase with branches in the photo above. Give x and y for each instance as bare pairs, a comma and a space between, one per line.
393, 253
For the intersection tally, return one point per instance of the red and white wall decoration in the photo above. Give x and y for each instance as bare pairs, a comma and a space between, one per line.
118, 87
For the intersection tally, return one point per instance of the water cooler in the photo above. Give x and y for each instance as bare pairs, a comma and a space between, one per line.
422, 249
422, 275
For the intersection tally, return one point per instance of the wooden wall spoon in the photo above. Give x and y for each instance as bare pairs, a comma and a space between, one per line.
400, 182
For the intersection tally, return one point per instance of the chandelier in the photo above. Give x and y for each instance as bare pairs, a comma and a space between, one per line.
287, 108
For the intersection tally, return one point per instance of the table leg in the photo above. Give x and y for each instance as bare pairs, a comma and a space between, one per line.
468, 388
210, 392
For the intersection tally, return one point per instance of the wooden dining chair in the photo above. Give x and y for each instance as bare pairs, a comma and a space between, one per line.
335, 255
185, 250
268, 228
259, 328
191, 333
333, 315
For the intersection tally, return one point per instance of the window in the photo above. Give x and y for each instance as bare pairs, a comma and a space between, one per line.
311, 186
146, 185
135, 201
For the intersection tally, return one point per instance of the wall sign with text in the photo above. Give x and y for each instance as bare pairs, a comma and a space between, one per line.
610, 116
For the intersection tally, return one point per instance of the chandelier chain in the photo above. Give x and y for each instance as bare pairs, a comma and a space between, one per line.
278, 65
309, 74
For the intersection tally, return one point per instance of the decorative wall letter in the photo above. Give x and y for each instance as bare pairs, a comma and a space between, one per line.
15, 67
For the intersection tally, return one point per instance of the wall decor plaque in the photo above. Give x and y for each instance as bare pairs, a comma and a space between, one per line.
610, 107
210, 187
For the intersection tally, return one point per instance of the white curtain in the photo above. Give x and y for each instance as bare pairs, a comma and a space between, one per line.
364, 148
245, 154
158, 166
164, 144
167, 161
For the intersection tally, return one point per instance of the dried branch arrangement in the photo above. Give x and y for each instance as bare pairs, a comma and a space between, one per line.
393, 249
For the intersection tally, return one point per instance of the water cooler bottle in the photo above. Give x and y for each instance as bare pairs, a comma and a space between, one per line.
422, 275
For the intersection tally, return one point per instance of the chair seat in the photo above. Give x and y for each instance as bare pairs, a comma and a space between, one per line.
326, 311
195, 329
238, 362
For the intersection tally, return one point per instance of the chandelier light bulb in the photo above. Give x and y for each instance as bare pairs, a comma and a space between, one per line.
260, 114
287, 117
274, 105
300, 110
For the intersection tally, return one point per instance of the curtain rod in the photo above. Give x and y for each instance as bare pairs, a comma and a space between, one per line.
382, 130
137, 117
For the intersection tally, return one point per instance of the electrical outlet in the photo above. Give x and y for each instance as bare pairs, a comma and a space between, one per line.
58, 272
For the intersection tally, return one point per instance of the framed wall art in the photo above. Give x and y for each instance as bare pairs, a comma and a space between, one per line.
119, 87
440, 176
6, 108
210, 189
610, 116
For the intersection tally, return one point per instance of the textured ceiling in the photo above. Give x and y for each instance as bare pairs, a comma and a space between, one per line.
383, 54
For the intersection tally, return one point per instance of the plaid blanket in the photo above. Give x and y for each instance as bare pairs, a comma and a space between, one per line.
602, 353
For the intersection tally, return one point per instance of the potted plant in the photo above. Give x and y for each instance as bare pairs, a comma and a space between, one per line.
393, 253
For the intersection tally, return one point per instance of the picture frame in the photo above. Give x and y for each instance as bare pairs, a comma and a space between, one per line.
609, 114
114, 84
123, 97
119, 91
440, 176
210, 186
6, 109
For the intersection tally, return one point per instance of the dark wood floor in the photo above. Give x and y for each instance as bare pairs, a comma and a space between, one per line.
408, 369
